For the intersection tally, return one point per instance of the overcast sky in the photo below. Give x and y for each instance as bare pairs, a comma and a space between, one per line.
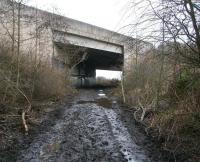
103, 13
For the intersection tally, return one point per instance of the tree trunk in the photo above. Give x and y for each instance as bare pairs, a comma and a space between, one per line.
13, 28
194, 22
18, 43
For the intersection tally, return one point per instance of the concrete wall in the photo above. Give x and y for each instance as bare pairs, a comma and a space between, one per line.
44, 29
32, 31
68, 27
59, 28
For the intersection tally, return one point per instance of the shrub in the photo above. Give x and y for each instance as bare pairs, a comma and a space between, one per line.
142, 81
50, 82
37, 80
177, 123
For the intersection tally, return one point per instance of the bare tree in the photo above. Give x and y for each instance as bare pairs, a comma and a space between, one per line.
18, 40
182, 27
13, 27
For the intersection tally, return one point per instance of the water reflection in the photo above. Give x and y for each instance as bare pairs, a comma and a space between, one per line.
101, 93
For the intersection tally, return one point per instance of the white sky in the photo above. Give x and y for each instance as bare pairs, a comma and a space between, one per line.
109, 74
103, 13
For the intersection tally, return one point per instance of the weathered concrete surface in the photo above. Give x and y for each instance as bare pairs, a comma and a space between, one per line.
90, 131
86, 41
43, 34
65, 30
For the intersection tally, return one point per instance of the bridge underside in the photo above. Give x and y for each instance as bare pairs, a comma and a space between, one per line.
104, 60
84, 73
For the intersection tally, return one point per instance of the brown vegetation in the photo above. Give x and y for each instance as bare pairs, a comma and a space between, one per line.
38, 82
162, 85
174, 117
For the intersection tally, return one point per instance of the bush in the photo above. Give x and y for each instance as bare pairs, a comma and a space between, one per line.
37, 80
177, 123
50, 83
142, 81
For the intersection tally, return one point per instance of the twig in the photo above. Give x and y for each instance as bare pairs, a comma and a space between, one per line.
24, 111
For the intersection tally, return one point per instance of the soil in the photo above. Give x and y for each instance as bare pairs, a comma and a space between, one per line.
89, 128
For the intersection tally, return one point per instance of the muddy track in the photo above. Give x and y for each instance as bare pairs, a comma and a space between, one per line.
88, 131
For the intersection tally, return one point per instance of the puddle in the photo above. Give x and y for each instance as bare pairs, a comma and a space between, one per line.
101, 93
104, 101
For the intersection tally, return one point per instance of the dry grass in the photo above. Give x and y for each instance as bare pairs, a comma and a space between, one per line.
51, 83
177, 123
179, 126
38, 81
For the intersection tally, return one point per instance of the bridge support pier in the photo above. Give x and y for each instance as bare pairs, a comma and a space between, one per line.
84, 76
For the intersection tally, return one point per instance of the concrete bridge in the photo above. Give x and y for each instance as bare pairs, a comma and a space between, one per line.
98, 48
104, 49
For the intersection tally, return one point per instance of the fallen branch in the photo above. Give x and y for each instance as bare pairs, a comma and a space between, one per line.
145, 109
24, 119
24, 111
135, 114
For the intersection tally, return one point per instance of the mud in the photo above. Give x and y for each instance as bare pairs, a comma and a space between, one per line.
92, 129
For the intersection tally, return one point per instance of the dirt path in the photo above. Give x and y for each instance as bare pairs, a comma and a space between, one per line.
93, 129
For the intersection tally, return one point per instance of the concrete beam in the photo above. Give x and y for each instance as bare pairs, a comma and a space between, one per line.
83, 41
